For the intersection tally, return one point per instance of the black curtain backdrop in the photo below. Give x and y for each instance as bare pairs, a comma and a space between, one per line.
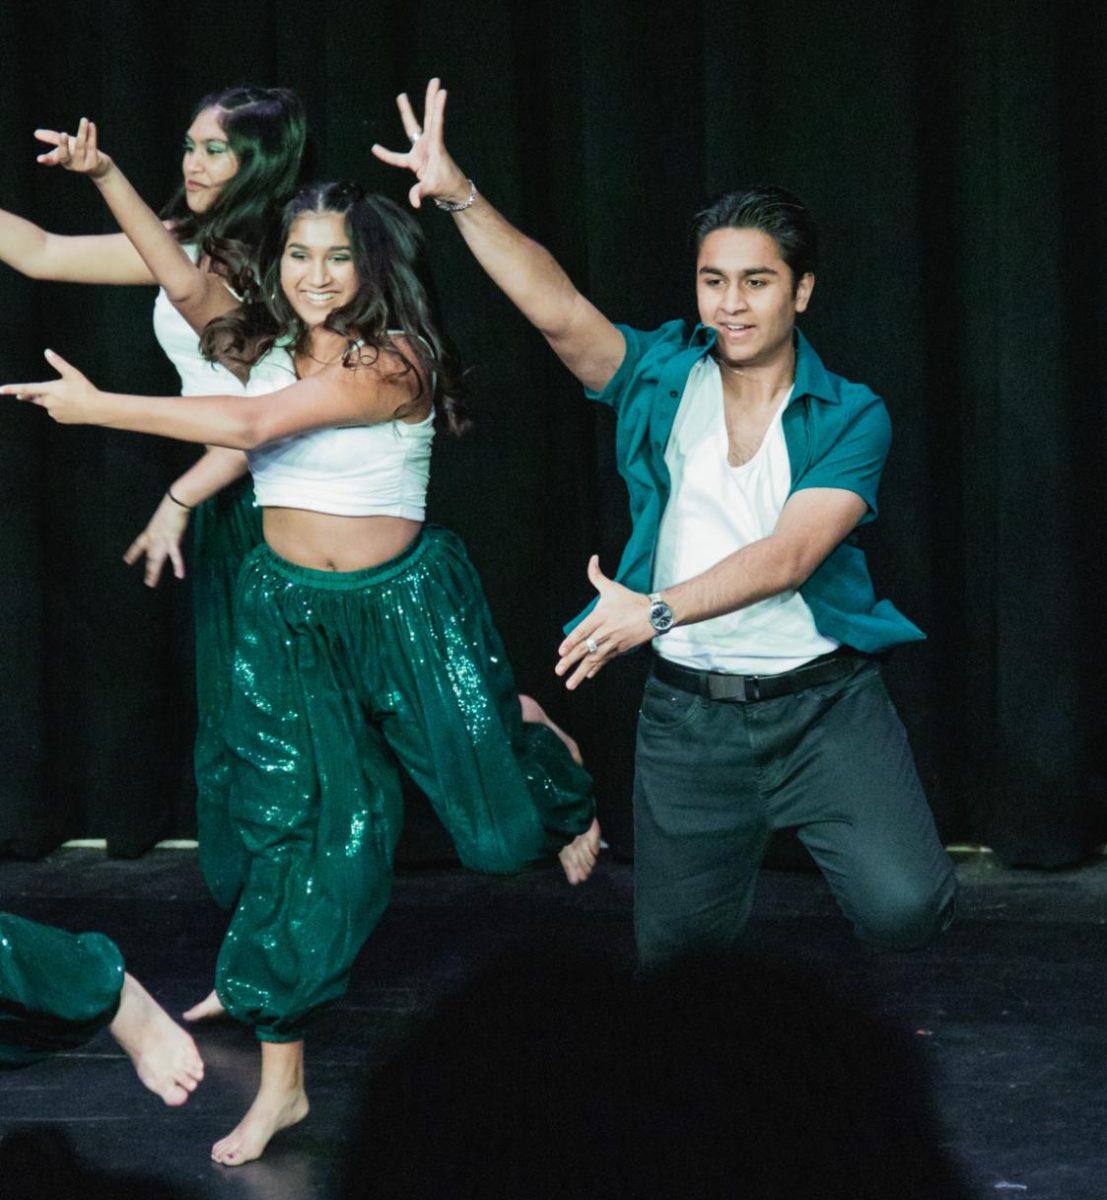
954, 156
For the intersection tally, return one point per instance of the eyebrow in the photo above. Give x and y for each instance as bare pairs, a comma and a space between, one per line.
745, 273
302, 246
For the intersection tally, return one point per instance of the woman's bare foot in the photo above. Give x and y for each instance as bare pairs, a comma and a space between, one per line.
579, 857
281, 1101
209, 1009
535, 714
163, 1054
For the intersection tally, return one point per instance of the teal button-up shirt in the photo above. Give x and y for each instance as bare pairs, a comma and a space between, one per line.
837, 434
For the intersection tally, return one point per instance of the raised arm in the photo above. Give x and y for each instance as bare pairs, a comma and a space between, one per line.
580, 335
197, 293
387, 389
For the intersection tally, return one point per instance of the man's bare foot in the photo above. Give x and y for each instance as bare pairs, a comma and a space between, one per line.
579, 857
535, 714
281, 1101
209, 1009
163, 1054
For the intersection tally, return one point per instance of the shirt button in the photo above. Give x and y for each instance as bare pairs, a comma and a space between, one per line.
674, 394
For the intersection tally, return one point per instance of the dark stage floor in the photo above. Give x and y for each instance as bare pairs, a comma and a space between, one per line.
1008, 1009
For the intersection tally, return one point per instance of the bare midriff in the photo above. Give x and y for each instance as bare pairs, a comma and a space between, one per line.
326, 542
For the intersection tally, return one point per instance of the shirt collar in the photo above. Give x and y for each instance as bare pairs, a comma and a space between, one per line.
812, 378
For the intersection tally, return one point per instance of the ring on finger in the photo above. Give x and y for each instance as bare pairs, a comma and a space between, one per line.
591, 645
414, 137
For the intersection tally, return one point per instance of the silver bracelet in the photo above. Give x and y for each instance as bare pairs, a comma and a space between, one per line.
452, 206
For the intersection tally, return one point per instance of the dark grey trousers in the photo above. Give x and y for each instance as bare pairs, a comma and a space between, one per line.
715, 778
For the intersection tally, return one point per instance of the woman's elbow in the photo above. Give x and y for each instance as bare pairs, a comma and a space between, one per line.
245, 432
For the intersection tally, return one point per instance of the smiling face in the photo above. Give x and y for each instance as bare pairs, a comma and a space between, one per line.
208, 160
745, 292
317, 267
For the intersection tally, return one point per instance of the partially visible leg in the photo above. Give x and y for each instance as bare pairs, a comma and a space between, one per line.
578, 858
860, 809
209, 1009
507, 790
700, 827
280, 1102
224, 530
535, 714
57, 989
165, 1057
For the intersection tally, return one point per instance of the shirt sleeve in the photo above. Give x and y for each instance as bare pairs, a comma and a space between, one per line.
855, 460
615, 393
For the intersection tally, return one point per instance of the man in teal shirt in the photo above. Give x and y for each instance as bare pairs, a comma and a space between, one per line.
749, 467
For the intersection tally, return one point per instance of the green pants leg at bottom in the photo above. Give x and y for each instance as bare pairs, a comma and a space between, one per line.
338, 680
57, 989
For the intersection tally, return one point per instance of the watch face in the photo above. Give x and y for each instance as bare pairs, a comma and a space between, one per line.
661, 616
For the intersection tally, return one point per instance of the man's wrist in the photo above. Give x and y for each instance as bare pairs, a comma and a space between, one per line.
660, 614
463, 197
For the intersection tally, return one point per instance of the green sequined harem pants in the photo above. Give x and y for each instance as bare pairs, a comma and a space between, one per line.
224, 530
338, 679
57, 989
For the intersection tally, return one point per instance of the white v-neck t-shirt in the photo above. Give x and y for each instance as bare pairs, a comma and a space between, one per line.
713, 510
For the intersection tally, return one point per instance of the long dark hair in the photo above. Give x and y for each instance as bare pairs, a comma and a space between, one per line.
266, 130
392, 294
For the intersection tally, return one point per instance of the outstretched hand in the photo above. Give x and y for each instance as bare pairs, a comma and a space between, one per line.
619, 622
77, 152
70, 400
160, 542
437, 175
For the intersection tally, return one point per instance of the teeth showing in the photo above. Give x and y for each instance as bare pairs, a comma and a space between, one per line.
320, 297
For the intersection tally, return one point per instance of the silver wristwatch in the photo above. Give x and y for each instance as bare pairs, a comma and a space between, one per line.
661, 615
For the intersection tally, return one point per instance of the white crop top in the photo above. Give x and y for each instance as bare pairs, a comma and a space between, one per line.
182, 347
353, 471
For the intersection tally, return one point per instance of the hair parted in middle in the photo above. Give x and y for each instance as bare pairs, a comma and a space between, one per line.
393, 295
266, 130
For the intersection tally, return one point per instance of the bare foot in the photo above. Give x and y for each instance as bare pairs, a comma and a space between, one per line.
281, 1101
535, 714
163, 1054
579, 857
209, 1009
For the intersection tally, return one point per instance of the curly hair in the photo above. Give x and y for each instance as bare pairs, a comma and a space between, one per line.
393, 293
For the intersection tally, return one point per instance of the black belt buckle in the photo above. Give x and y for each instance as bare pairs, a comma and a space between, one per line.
739, 689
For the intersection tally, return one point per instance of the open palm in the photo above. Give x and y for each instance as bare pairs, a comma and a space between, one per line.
437, 176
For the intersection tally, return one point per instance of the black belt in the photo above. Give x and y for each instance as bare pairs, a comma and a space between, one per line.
719, 685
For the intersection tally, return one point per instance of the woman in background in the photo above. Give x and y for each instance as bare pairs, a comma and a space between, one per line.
241, 160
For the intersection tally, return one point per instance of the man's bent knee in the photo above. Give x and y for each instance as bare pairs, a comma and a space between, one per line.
909, 920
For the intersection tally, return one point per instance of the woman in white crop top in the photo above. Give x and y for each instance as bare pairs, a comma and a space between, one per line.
241, 160
363, 639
